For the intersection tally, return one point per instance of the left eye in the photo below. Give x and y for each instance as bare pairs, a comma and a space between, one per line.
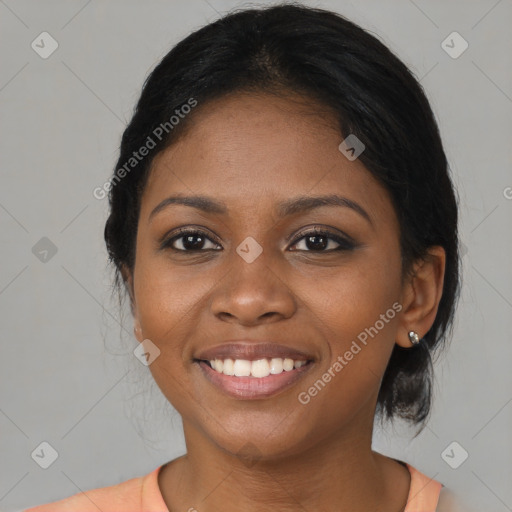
319, 240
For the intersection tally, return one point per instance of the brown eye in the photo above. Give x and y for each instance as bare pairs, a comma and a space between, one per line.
189, 241
318, 240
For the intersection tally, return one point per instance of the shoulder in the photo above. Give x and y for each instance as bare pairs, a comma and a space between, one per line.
451, 502
427, 494
423, 492
125, 496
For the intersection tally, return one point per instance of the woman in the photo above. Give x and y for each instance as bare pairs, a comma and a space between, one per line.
284, 222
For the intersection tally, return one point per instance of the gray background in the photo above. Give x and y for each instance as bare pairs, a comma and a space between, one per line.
67, 373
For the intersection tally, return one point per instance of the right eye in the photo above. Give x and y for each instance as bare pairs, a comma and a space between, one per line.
190, 240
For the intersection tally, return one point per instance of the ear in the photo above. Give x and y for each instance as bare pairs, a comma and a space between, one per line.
128, 282
421, 295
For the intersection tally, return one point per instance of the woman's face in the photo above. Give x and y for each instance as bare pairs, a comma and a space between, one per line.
254, 275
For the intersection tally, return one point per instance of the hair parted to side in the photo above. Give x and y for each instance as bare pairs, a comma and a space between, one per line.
291, 49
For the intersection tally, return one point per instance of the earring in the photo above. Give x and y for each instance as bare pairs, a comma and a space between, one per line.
414, 338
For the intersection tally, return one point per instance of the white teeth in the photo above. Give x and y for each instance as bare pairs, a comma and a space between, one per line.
260, 368
276, 365
242, 368
288, 364
228, 367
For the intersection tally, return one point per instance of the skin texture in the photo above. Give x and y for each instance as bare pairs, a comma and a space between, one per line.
252, 152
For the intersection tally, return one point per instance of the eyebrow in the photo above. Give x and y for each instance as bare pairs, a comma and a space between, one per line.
292, 206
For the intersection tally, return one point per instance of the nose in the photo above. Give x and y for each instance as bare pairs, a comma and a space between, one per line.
253, 293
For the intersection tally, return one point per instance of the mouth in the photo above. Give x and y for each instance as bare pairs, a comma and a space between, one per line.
253, 371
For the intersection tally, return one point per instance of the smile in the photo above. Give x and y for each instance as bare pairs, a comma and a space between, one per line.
262, 378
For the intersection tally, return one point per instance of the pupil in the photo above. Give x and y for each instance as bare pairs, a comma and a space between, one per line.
323, 245
190, 245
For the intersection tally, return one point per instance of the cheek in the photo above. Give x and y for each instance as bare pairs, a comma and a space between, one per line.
352, 298
358, 326
167, 295
357, 311
166, 305
171, 301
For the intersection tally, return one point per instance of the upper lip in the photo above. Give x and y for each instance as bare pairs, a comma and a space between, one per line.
251, 351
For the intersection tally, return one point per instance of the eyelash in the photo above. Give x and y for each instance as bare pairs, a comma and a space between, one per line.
344, 243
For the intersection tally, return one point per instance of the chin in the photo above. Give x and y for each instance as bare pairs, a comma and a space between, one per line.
256, 439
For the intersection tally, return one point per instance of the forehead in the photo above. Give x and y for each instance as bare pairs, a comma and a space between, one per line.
253, 151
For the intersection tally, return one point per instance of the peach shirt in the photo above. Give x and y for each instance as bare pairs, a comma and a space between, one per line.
142, 494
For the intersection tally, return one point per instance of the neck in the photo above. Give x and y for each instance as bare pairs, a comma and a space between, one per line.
337, 473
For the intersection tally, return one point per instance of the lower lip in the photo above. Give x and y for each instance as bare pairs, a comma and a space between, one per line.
253, 387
